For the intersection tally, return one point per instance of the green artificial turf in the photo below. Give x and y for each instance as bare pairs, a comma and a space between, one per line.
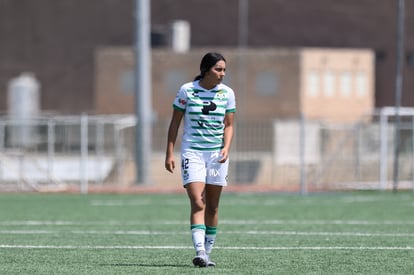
339, 233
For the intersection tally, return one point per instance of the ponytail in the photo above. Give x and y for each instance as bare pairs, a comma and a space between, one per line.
198, 77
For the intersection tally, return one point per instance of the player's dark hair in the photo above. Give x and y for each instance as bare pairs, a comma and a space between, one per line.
207, 62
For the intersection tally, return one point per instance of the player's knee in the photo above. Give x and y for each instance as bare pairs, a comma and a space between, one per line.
198, 205
211, 210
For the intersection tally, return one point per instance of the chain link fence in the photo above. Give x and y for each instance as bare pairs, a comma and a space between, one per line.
52, 153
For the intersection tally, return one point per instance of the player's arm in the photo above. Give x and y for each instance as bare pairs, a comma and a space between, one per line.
228, 136
172, 137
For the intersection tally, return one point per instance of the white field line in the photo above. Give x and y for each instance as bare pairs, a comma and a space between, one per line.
319, 222
25, 232
140, 202
121, 247
316, 233
146, 232
227, 222
228, 201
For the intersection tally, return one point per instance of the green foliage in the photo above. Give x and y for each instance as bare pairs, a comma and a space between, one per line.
338, 233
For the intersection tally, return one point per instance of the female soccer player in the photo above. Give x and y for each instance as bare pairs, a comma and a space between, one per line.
208, 108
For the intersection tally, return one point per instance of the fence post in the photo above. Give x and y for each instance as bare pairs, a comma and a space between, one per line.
2, 136
20, 156
84, 154
2, 143
357, 144
412, 153
100, 135
51, 139
302, 151
383, 150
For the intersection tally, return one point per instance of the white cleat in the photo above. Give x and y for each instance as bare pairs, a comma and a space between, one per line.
201, 260
210, 263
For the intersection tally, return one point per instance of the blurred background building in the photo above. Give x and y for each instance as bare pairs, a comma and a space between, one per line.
58, 40
323, 84
331, 63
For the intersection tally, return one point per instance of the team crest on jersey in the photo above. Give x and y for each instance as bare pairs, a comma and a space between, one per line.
220, 95
182, 101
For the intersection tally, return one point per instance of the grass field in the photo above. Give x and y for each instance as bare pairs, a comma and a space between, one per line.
340, 233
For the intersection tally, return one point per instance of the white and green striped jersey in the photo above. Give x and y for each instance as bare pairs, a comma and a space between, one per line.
204, 112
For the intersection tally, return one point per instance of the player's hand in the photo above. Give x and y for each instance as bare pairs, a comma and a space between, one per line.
223, 155
170, 164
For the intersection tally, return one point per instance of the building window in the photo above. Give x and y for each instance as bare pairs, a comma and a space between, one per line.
313, 83
346, 84
329, 83
267, 83
174, 80
361, 84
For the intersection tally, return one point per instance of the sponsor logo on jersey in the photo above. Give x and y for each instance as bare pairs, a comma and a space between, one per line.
182, 101
208, 106
214, 172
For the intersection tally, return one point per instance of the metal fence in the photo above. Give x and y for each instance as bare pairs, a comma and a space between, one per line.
54, 152
57, 152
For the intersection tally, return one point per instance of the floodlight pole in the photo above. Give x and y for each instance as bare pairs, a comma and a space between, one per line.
243, 23
398, 88
143, 106
242, 41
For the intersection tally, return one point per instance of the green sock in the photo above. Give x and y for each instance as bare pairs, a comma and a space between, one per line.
211, 232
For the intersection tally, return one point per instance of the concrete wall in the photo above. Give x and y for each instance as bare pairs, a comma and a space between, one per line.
269, 83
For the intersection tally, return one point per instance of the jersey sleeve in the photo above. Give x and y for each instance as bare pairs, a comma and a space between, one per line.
231, 102
180, 101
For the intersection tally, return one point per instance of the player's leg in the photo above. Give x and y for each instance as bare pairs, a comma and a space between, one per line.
216, 179
194, 176
193, 170
195, 192
212, 194
212, 200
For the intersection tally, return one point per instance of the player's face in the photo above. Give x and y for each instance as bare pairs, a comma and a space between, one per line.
217, 72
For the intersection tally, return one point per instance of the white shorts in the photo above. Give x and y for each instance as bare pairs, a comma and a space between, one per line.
198, 166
